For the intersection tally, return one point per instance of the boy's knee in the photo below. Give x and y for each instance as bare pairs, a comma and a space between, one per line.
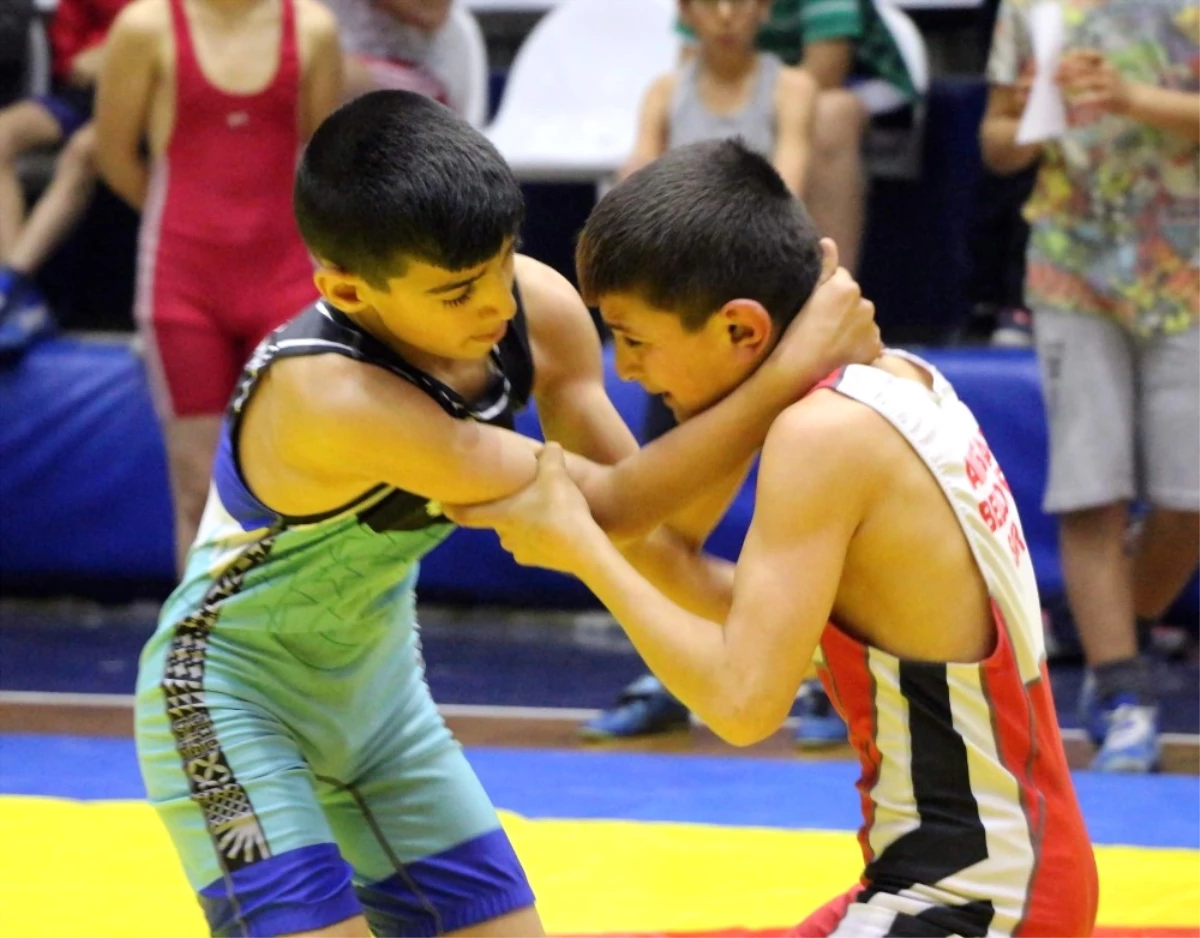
840, 122
79, 155
10, 136
24, 126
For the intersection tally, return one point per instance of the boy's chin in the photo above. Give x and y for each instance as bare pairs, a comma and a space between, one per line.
682, 412
679, 412
693, 408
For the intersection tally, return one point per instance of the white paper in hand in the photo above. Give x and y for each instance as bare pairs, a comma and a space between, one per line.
1045, 116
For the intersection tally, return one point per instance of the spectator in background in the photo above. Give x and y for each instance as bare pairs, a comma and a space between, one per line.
727, 88
998, 236
386, 45
1113, 279
858, 68
16, 54
77, 34
223, 94
730, 89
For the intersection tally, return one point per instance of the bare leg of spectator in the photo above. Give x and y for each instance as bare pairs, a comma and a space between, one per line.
836, 188
1098, 575
1165, 559
191, 444
23, 126
1119, 700
60, 207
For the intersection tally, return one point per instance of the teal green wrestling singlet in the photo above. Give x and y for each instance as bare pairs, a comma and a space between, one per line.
285, 731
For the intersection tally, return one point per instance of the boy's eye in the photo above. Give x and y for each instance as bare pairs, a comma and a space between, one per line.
461, 298
631, 343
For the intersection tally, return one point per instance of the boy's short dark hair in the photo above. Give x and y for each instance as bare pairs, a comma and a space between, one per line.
393, 175
700, 226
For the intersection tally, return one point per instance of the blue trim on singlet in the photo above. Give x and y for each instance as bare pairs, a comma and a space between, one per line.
302, 890
472, 882
322, 329
239, 501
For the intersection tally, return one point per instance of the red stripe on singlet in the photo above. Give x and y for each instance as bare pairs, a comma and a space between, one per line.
831, 380
853, 693
1063, 889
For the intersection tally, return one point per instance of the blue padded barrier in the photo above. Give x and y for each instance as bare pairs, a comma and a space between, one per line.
83, 479
84, 500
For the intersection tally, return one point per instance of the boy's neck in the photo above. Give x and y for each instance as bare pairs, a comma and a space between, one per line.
451, 371
729, 67
372, 323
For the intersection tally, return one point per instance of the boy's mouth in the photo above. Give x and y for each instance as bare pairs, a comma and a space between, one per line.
494, 336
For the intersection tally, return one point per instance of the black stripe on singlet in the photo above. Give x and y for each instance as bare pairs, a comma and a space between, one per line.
934, 923
951, 835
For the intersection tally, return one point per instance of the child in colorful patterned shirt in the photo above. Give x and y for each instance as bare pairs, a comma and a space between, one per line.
1113, 280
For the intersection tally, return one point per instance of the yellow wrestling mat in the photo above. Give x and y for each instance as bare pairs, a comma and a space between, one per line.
106, 868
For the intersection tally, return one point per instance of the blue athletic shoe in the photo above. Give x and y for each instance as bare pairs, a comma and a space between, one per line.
24, 318
1131, 741
819, 724
1124, 731
645, 707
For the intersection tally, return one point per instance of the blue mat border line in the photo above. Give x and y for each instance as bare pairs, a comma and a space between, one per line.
1145, 811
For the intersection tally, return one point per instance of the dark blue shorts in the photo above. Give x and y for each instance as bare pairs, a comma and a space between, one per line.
71, 107
314, 887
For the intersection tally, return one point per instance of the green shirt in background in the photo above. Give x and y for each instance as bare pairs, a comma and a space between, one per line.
795, 22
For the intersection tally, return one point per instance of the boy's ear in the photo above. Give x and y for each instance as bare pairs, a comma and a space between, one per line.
343, 290
829, 259
748, 325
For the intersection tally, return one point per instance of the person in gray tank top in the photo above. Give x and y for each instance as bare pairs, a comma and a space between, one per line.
726, 89
729, 89
692, 120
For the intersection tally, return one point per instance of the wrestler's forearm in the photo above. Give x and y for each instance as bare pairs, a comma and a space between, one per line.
648, 488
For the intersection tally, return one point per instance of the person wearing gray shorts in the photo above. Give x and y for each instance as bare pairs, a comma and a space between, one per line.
1123, 415
1123, 412
1113, 280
